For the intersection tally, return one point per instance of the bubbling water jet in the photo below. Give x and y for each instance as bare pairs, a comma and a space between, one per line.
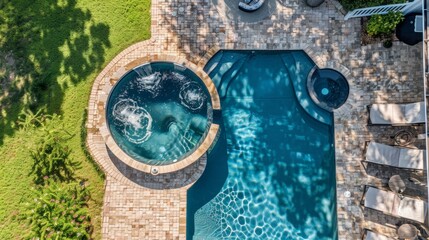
136, 120
150, 83
192, 96
123, 108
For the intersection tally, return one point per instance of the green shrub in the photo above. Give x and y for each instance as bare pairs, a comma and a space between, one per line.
51, 159
59, 212
379, 25
28, 120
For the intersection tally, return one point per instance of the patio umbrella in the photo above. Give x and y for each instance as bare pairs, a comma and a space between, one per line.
405, 31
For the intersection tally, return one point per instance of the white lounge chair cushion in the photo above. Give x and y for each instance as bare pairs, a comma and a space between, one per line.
414, 112
396, 156
390, 113
386, 114
383, 154
389, 202
381, 200
412, 158
414, 209
375, 236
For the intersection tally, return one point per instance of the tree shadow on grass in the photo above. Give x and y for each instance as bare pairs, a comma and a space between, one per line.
51, 44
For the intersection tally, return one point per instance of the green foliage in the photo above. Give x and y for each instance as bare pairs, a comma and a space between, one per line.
48, 125
353, 4
384, 24
59, 212
61, 46
52, 159
29, 120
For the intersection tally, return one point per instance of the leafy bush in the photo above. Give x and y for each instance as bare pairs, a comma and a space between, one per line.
51, 159
29, 120
59, 212
384, 24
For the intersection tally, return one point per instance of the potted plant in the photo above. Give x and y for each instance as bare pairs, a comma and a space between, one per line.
388, 43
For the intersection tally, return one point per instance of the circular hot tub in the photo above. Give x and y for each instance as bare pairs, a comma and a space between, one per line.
328, 88
159, 113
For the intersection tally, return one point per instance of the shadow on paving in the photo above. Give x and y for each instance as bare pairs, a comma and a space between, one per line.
46, 46
172, 180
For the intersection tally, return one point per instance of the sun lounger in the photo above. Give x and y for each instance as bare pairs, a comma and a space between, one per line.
396, 114
370, 235
391, 204
400, 157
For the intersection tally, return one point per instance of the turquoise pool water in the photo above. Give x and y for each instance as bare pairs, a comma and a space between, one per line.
159, 113
271, 174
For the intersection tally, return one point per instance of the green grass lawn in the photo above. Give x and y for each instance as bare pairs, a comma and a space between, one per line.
57, 49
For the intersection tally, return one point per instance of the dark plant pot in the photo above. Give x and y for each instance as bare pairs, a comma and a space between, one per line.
387, 44
314, 3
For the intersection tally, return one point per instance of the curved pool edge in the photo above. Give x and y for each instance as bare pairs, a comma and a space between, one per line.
161, 169
312, 92
100, 99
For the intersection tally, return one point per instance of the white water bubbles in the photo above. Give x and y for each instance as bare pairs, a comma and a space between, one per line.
123, 108
136, 120
178, 76
192, 96
150, 83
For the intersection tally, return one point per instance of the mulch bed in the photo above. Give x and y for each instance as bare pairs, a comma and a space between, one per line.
367, 39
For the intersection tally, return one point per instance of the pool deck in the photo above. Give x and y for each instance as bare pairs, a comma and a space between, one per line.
138, 206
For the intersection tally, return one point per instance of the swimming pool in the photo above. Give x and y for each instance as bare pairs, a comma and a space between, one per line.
271, 174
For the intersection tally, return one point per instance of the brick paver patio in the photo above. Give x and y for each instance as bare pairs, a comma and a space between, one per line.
195, 30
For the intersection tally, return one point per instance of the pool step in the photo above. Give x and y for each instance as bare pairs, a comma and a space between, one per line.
147, 69
182, 145
298, 71
144, 70
230, 75
214, 61
177, 151
223, 65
